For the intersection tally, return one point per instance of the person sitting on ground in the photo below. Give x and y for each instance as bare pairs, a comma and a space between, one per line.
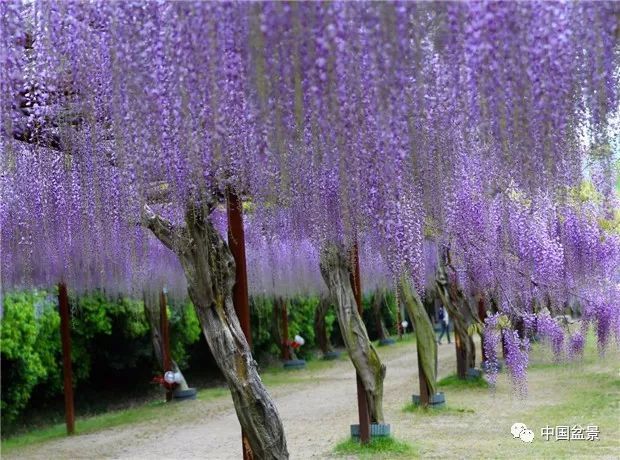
444, 321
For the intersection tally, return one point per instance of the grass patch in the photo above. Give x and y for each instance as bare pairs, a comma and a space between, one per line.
589, 397
452, 381
83, 425
377, 448
271, 379
88, 425
277, 375
441, 410
212, 393
406, 339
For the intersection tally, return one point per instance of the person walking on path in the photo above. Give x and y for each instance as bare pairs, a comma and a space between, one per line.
444, 321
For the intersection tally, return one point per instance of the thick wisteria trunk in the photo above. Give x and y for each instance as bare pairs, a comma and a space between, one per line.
320, 328
335, 268
152, 316
210, 271
462, 316
377, 304
465, 351
425, 341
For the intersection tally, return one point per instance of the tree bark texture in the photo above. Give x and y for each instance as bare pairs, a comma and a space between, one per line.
210, 271
378, 302
463, 315
320, 328
425, 341
336, 268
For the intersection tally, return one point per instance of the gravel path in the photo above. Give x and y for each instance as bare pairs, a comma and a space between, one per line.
316, 410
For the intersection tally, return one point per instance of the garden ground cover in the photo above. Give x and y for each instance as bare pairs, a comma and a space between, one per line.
318, 404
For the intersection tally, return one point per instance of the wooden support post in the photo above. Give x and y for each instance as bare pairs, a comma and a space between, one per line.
65, 334
165, 338
482, 314
461, 360
362, 402
286, 351
236, 243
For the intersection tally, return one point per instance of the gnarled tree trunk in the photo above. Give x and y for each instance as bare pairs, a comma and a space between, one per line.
320, 328
378, 300
425, 341
462, 315
152, 315
210, 272
336, 268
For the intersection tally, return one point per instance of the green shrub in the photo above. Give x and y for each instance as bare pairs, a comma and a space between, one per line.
388, 314
184, 331
263, 322
110, 338
111, 343
300, 322
29, 342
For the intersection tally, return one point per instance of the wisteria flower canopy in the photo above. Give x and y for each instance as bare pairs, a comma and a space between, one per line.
380, 122
447, 141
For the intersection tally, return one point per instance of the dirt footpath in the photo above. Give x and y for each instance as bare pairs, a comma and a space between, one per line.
317, 406
316, 411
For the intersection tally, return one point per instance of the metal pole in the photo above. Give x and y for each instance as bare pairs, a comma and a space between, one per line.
65, 334
362, 402
165, 338
236, 243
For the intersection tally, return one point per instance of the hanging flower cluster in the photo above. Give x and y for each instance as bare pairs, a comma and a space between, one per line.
516, 359
401, 126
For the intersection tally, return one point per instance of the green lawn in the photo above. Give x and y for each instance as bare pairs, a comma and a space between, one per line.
476, 421
378, 448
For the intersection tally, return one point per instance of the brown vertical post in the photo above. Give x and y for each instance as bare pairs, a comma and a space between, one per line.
165, 338
482, 314
236, 243
65, 334
286, 353
461, 364
362, 402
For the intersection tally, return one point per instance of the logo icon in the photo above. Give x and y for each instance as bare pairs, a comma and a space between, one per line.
519, 430
527, 436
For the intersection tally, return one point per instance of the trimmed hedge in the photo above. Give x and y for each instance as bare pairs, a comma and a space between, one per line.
110, 340
111, 343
